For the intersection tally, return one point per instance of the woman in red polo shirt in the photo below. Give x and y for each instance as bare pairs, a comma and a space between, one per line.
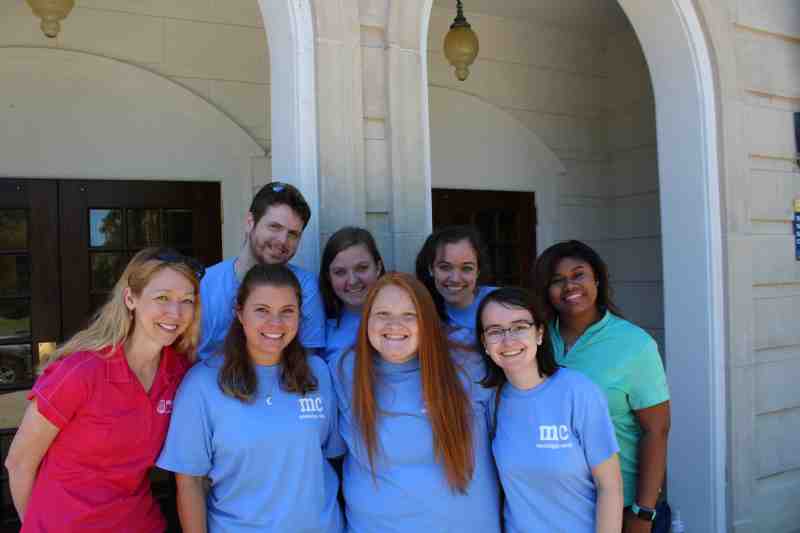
100, 411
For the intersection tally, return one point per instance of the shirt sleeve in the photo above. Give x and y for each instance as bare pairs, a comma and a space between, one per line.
187, 449
649, 381
594, 426
312, 327
62, 389
334, 445
205, 346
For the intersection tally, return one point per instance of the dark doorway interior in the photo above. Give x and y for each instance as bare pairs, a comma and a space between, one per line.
506, 221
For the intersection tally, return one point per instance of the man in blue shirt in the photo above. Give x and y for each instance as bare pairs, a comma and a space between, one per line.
275, 222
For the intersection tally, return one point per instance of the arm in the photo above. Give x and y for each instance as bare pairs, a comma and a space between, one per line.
655, 423
608, 480
191, 498
31, 442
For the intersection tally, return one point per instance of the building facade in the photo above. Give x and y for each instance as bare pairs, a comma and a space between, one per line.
659, 132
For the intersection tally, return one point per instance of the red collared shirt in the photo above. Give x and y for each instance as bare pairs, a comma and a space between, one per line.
94, 475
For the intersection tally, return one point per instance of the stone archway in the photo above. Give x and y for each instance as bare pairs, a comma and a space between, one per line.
678, 54
295, 156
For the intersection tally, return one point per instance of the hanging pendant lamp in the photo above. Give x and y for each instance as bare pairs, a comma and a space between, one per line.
52, 12
461, 44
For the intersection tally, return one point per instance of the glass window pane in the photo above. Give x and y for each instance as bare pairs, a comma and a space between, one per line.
105, 228
106, 269
15, 364
15, 319
179, 227
15, 275
144, 228
13, 229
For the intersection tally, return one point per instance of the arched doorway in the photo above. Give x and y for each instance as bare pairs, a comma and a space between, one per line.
678, 55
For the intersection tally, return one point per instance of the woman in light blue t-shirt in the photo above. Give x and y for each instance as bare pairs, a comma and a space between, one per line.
415, 421
259, 423
351, 264
553, 442
450, 265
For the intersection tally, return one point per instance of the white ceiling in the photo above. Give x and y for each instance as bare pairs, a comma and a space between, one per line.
602, 16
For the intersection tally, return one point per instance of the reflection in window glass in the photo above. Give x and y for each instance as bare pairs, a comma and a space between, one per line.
13, 229
15, 319
15, 275
106, 270
144, 228
179, 227
15, 364
105, 228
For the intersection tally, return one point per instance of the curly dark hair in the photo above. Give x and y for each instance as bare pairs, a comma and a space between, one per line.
545, 267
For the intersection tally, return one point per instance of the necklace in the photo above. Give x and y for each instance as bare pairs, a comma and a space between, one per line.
271, 389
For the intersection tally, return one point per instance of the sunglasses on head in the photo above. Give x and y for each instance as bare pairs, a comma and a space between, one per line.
168, 256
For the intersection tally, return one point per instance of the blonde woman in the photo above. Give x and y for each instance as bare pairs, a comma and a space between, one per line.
100, 411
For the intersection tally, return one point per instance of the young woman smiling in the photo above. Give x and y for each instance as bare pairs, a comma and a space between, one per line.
554, 442
450, 265
351, 264
258, 423
589, 335
99, 412
415, 421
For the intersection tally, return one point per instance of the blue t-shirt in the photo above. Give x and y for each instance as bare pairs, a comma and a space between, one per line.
217, 294
266, 460
462, 320
409, 492
340, 335
548, 439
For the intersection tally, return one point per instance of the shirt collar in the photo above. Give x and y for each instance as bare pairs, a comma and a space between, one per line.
118, 371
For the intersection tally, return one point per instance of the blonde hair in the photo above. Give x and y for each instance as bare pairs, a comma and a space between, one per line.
113, 322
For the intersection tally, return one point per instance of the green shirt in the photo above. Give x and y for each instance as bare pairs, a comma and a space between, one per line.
623, 360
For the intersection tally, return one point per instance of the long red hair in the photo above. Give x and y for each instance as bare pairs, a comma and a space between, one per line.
447, 404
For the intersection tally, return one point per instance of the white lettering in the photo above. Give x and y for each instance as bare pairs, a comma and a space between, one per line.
548, 433
563, 432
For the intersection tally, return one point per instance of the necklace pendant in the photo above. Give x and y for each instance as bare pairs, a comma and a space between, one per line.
269, 400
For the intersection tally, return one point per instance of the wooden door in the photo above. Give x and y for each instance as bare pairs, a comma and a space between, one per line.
104, 223
506, 222
63, 245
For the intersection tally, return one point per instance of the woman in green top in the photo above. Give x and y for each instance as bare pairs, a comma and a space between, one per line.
589, 335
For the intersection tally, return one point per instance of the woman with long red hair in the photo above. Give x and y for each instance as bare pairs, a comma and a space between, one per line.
414, 418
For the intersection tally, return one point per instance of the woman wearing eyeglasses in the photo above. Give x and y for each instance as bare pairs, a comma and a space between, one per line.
589, 334
415, 422
553, 441
99, 412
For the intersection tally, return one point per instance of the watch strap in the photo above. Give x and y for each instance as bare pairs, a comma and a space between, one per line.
645, 513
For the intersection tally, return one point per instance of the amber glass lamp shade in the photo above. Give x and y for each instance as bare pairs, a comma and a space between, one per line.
52, 12
461, 44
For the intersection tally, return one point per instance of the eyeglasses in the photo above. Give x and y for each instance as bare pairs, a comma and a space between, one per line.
171, 256
495, 335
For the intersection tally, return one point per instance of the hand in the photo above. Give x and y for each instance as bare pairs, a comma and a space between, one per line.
633, 524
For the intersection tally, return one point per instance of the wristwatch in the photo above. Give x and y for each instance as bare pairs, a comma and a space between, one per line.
645, 513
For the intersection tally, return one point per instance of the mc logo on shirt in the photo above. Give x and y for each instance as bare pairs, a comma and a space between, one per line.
311, 408
554, 437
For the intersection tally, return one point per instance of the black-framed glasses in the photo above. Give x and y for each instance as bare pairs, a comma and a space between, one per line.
496, 334
168, 255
